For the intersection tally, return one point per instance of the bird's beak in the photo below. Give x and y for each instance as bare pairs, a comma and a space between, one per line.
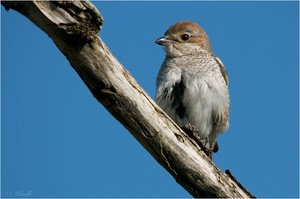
163, 41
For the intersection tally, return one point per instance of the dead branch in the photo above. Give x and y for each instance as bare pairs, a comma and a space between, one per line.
74, 26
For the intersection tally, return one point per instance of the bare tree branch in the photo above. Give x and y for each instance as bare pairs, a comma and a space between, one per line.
74, 27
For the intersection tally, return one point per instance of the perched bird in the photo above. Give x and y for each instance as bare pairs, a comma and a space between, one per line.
192, 83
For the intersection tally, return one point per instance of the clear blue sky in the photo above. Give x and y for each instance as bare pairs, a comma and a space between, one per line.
58, 141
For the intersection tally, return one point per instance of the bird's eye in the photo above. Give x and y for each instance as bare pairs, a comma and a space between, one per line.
185, 37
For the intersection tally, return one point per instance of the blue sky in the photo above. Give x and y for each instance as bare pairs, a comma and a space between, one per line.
58, 141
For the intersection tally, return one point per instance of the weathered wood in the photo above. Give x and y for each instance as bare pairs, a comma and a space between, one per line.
74, 27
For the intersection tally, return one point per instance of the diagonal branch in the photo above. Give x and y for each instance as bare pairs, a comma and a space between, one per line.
74, 26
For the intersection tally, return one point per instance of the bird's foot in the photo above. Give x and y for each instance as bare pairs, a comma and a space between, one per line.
193, 133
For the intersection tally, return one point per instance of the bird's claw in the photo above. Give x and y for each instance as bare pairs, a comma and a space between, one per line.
193, 133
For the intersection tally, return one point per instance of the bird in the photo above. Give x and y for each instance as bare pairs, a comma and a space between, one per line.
192, 83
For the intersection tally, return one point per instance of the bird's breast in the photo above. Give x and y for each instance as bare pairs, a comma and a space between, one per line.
205, 94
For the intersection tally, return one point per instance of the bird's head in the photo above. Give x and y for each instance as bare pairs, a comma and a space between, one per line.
184, 38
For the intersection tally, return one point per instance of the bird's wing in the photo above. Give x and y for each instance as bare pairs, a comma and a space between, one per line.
223, 70
177, 102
